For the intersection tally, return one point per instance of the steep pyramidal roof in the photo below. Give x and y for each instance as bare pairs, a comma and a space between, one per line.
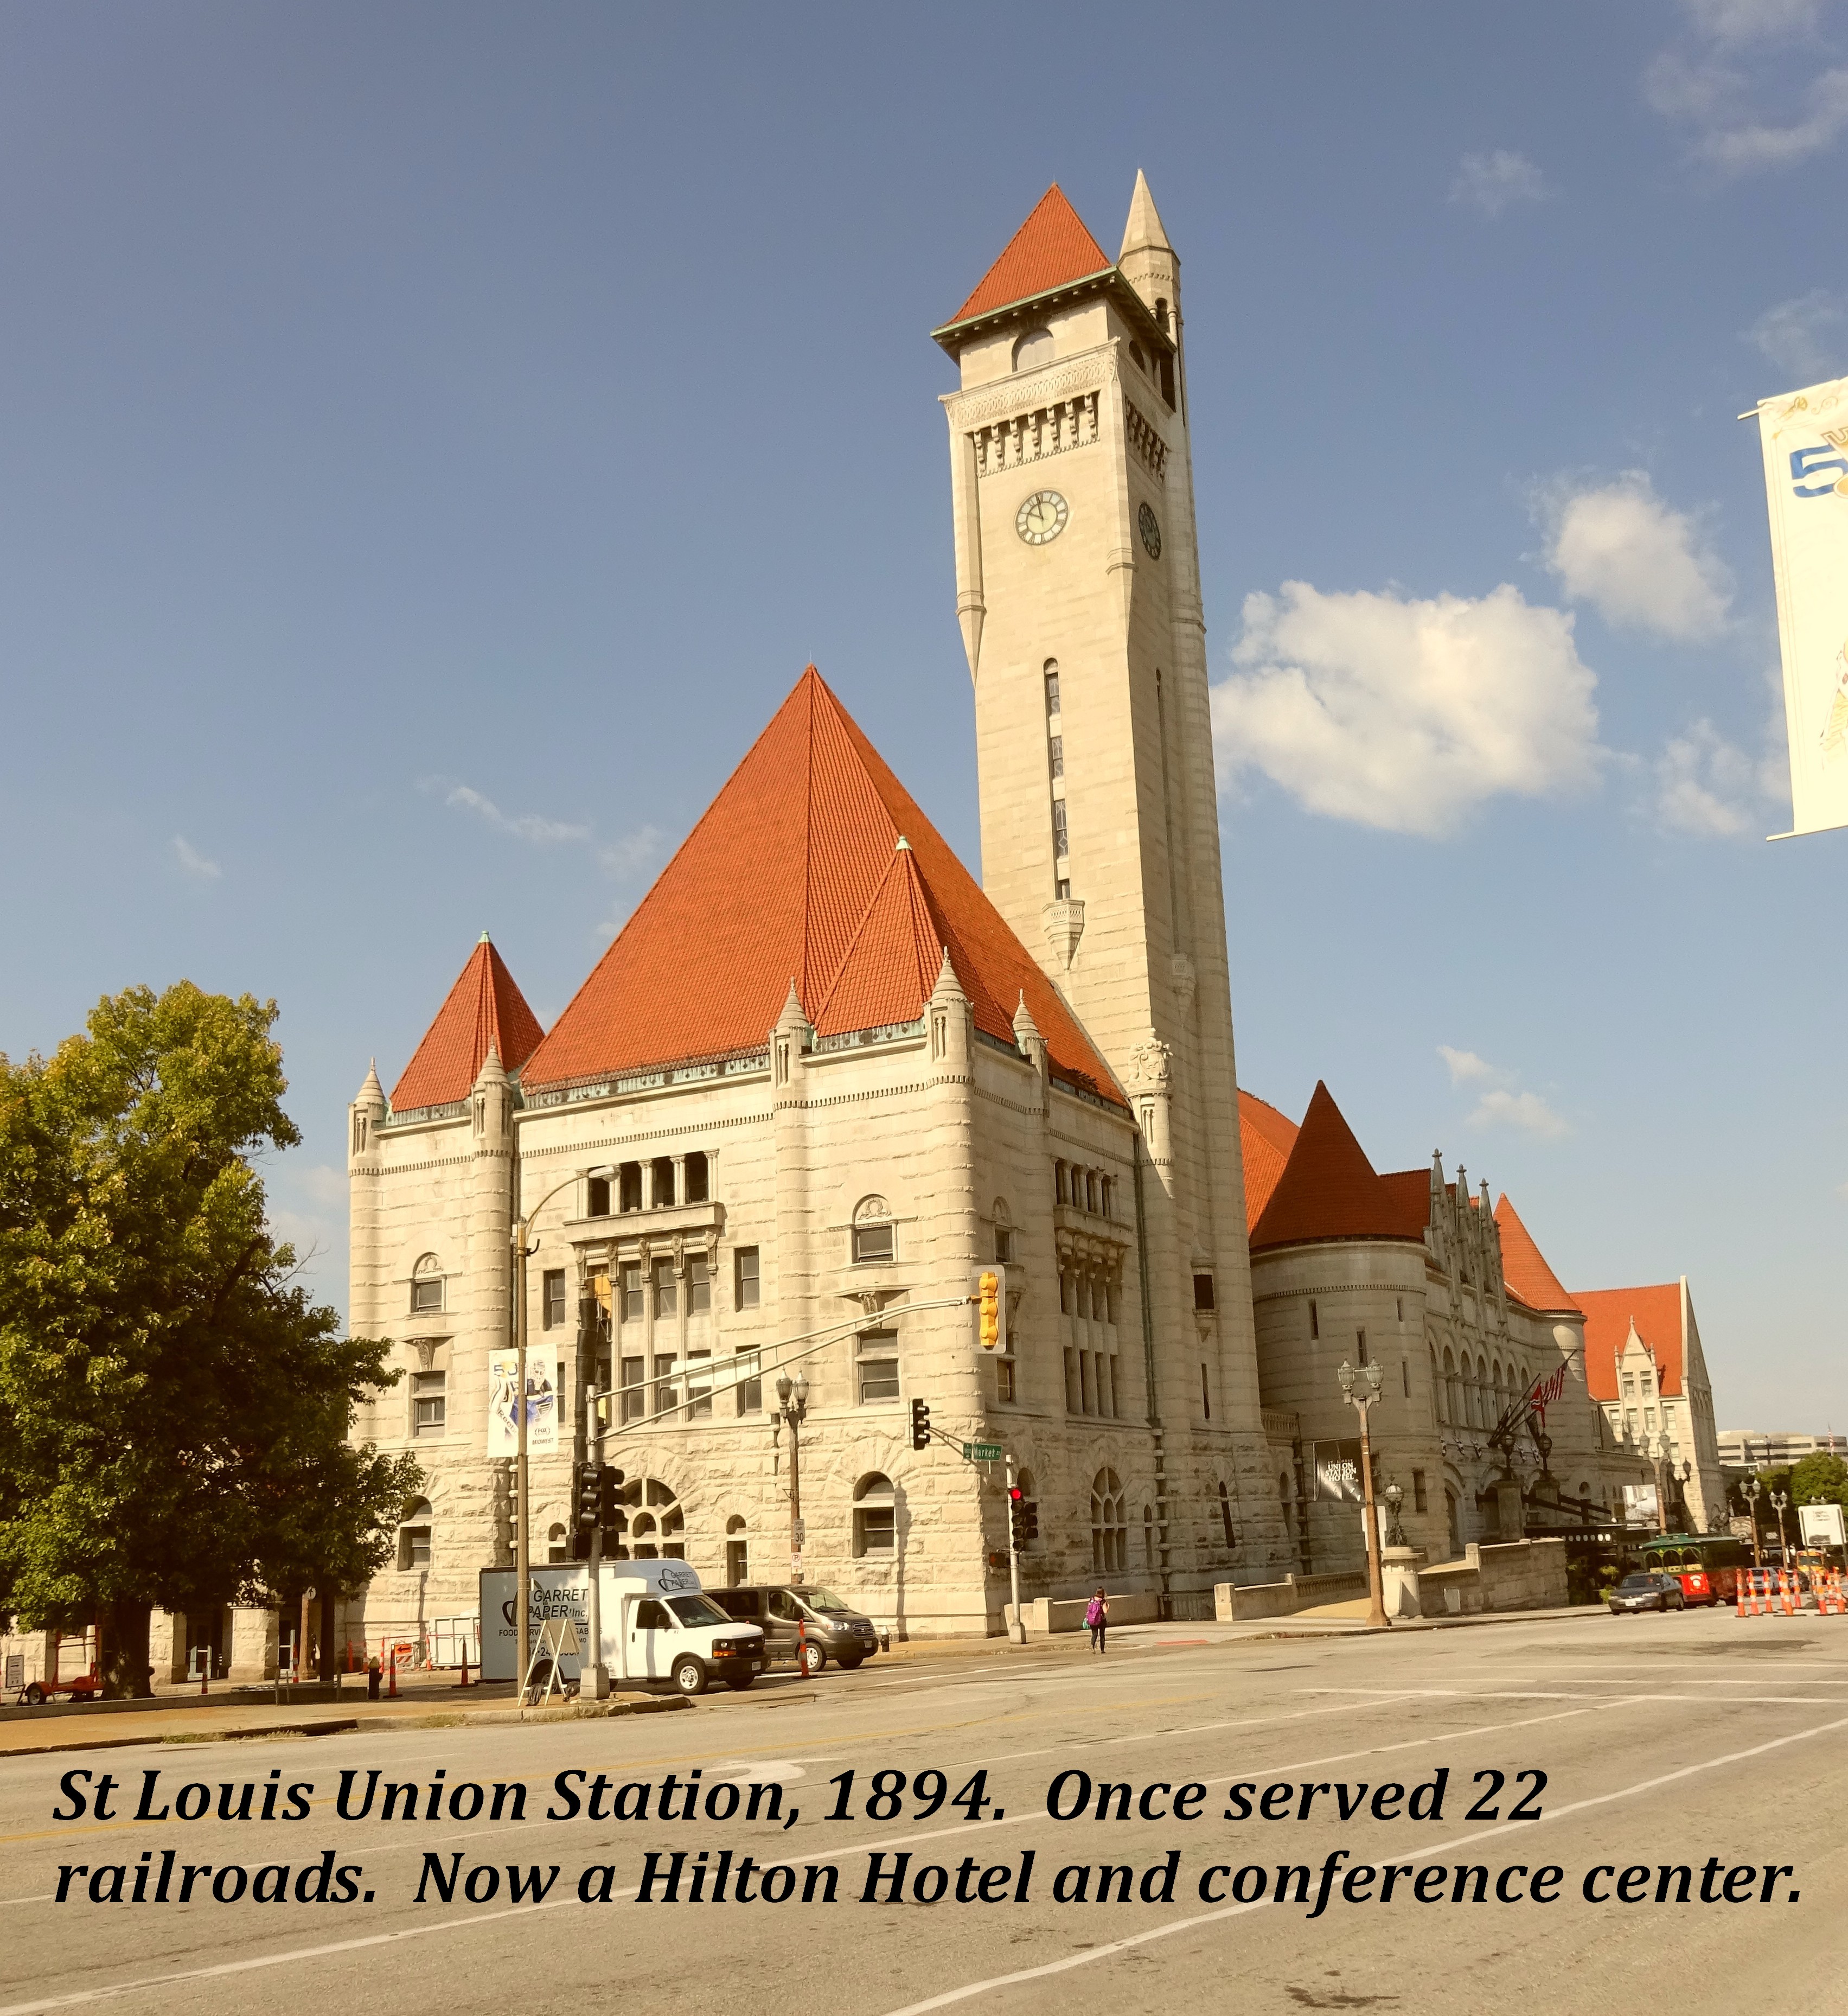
483, 1007
812, 865
1051, 249
1328, 1190
1656, 1312
1266, 1137
1524, 1267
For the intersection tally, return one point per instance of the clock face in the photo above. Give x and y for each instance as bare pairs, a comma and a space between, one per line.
1147, 525
1041, 517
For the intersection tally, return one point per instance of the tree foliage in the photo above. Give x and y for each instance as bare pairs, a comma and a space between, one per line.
174, 1411
1820, 1479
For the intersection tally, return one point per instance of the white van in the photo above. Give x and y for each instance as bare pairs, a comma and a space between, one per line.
657, 1626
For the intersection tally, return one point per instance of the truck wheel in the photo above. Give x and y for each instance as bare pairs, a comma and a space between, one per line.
739, 1685
689, 1676
813, 1657
35, 1696
850, 1665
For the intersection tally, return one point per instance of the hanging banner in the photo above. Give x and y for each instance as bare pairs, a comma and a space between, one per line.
1336, 1469
1804, 436
542, 1402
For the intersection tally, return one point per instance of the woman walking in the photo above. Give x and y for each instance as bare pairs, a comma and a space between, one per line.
1096, 1617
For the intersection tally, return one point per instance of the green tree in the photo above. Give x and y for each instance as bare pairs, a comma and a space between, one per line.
1821, 1479
174, 1411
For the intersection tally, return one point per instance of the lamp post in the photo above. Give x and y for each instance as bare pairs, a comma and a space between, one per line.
1779, 1500
1367, 1380
522, 1621
1753, 1491
1395, 1497
1660, 1460
792, 1409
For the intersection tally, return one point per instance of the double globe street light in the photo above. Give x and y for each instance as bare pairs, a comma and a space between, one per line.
1360, 1389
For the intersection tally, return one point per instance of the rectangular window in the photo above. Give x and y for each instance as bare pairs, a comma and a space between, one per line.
666, 1289
1204, 1297
1073, 1392
1314, 1327
1004, 1243
413, 1547
746, 1372
1115, 1365
699, 1179
1087, 1382
1360, 1343
1052, 692
737, 1563
1399, 1304
1110, 1301
664, 1395
635, 1396
1004, 1379
633, 1308
1206, 1396
596, 1197
875, 1529
1405, 1375
1064, 1294
628, 1183
700, 1384
1648, 1379
1061, 838
426, 1296
698, 1284
429, 1402
878, 1356
872, 1243
1417, 1490
552, 1312
744, 1277
1058, 752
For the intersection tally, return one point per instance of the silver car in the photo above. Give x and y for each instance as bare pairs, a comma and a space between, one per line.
1646, 1592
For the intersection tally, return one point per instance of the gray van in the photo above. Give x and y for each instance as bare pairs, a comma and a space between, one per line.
816, 1618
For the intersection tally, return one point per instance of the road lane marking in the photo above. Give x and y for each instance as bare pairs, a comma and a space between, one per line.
1424, 1854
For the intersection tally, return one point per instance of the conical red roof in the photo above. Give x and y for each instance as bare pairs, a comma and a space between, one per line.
1266, 1137
1524, 1267
485, 1006
1329, 1189
796, 872
1051, 249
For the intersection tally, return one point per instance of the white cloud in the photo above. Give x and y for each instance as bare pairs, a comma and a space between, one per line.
1465, 1064
1639, 561
633, 853
523, 825
1806, 337
1406, 714
1715, 85
1705, 784
1491, 183
1525, 1110
324, 1184
193, 862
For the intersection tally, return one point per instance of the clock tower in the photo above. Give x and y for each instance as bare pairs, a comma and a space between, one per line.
1078, 595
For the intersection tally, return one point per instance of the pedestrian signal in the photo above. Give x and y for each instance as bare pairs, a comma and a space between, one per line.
920, 1424
991, 1309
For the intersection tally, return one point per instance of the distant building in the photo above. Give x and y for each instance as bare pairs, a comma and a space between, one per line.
1644, 1366
1772, 1449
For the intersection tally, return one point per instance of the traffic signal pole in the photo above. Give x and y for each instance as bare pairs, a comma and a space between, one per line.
1017, 1630
595, 1672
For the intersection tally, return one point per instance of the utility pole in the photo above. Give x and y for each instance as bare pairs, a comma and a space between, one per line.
1017, 1630
596, 1672
1368, 1377
792, 1407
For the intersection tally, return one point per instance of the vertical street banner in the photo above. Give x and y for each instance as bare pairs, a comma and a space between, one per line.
542, 1400
1804, 436
1336, 1469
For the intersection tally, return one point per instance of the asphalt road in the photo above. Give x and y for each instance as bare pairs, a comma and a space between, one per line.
1706, 1742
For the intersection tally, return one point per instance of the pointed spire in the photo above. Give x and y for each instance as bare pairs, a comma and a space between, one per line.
948, 986
1329, 1189
793, 1015
1026, 1029
1051, 249
1143, 232
483, 1008
371, 1093
492, 1071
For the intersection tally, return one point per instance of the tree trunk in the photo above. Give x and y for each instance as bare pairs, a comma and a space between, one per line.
122, 1652
328, 1647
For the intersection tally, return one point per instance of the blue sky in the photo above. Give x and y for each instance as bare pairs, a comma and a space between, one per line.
435, 438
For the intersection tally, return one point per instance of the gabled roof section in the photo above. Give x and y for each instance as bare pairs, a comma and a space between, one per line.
1524, 1266
1051, 249
1408, 1197
484, 1007
1609, 1312
797, 871
1329, 1189
1266, 1137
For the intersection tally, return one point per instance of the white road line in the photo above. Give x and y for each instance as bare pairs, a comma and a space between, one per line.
45, 1898
1422, 1854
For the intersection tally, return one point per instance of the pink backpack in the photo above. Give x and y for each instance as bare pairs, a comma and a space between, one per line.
1094, 1616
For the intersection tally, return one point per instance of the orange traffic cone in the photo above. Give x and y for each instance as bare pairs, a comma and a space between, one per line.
464, 1681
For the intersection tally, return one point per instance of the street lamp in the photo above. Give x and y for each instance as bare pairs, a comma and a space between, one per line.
1395, 1497
792, 1409
1661, 1461
522, 1621
1369, 1380
1779, 1500
1753, 1491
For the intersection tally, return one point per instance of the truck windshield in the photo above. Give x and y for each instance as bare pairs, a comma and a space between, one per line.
696, 1611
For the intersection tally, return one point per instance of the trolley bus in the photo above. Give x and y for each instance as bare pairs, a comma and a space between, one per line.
1706, 1564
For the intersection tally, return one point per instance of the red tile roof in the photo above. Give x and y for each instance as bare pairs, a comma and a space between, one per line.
1051, 249
1329, 1189
1408, 1194
1609, 1313
796, 872
483, 1007
1524, 1267
1266, 1137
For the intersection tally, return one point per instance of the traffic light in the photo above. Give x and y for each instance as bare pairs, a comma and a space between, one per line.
1017, 1518
1030, 1520
920, 1424
585, 1498
609, 1483
991, 1309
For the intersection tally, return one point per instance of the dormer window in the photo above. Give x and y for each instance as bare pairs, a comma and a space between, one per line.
1034, 349
872, 1238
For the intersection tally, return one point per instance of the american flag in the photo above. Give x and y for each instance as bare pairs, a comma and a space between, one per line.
1546, 1391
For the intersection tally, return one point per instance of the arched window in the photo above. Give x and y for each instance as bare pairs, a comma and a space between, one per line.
1034, 349
1004, 1231
654, 1527
738, 1558
414, 1536
426, 1287
875, 1518
1109, 1542
872, 1230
